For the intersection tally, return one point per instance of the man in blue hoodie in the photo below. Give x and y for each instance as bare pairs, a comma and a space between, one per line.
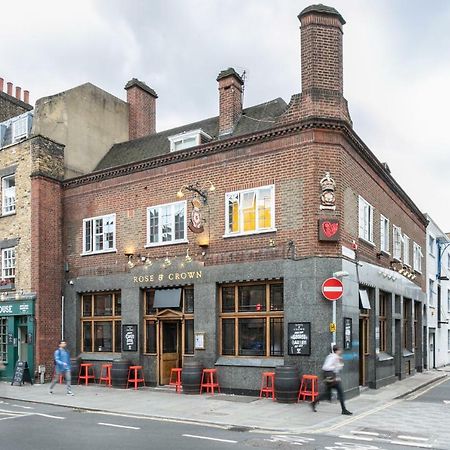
62, 367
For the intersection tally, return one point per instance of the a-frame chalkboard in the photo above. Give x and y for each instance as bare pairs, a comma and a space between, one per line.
21, 374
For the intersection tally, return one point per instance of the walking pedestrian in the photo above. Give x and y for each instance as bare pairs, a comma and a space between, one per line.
331, 369
62, 367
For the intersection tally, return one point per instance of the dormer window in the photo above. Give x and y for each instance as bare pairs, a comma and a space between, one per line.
188, 139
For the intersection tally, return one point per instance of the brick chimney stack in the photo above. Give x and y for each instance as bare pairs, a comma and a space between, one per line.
230, 100
18, 92
26, 96
321, 67
142, 109
2, 81
9, 88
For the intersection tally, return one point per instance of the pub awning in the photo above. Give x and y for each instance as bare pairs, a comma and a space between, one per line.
364, 302
167, 298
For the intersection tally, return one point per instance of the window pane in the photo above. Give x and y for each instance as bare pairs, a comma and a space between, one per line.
170, 337
276, 336
88, 236
103, 336
189, 336
154, 225
98, 234
233, 213
103, 305
179, 221
109, 233
150, 333
166, 223
3, 340
87, 337
87, 306
189, 300
252, 298
228, 337
276, 297
150, 298
228, 299
117, 305
249, 210
264, 208
252, 337
117, 336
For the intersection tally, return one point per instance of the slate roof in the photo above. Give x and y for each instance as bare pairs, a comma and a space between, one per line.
253, 119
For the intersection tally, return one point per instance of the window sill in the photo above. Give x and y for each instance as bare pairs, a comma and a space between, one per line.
100, 356
383, 356
365, 241
12, 213
243, 361
112, 250
162, 244
249, 233
385, 253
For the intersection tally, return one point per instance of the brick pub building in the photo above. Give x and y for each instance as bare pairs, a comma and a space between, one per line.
212, 240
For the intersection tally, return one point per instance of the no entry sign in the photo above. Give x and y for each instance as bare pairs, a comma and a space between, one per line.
332, 289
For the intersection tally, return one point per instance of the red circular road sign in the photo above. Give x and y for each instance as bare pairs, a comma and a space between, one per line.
332, 289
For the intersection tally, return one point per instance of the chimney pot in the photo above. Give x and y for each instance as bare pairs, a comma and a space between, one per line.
26, 96
230, 100
9, 87
141, 101
18, 92
2, 81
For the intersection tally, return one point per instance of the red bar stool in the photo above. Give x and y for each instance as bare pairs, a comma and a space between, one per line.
84, 374
106, 377
209, 381
267, 385
134, 370
175, 378
309, 387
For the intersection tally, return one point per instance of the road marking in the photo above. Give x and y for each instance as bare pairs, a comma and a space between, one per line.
210, 438
413, 438
48, 416
433, 385
412, 444
24, 407
368, 433
118, 426
160, 419
446, 401
292, 439
359, 438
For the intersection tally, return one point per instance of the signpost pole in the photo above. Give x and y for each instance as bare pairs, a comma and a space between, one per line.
334, 321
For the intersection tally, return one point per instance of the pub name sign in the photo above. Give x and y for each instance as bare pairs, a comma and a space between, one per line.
171, 276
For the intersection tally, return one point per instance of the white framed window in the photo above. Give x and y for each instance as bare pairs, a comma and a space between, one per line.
431, 245
406, 245
99, 234
9, 264
431, 292
417, 257
384, 234
166, 224
8, 195
365, 219
397, 240
188, 139
448, 261
250, 211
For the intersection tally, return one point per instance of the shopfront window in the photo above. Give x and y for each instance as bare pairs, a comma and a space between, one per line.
3, 340
100, 322
186, 306
252, 319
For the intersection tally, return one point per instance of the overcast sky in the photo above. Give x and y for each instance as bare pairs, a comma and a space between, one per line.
396, 66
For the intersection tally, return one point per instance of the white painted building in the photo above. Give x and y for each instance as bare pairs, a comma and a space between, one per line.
437, 312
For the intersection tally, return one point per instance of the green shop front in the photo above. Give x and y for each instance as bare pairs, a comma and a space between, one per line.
17, 330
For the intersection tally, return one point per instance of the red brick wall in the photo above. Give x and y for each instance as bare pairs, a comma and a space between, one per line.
46, 265
142, 112
294, 164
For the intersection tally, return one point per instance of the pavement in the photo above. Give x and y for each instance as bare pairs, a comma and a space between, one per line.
221, 410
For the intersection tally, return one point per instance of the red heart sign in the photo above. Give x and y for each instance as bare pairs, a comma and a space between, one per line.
330, 229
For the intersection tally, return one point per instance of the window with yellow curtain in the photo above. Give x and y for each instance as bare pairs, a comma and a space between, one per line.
250, 211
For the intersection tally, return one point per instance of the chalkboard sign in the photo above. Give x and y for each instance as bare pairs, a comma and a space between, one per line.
21, 374
299, 338
129, 338
347, 333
